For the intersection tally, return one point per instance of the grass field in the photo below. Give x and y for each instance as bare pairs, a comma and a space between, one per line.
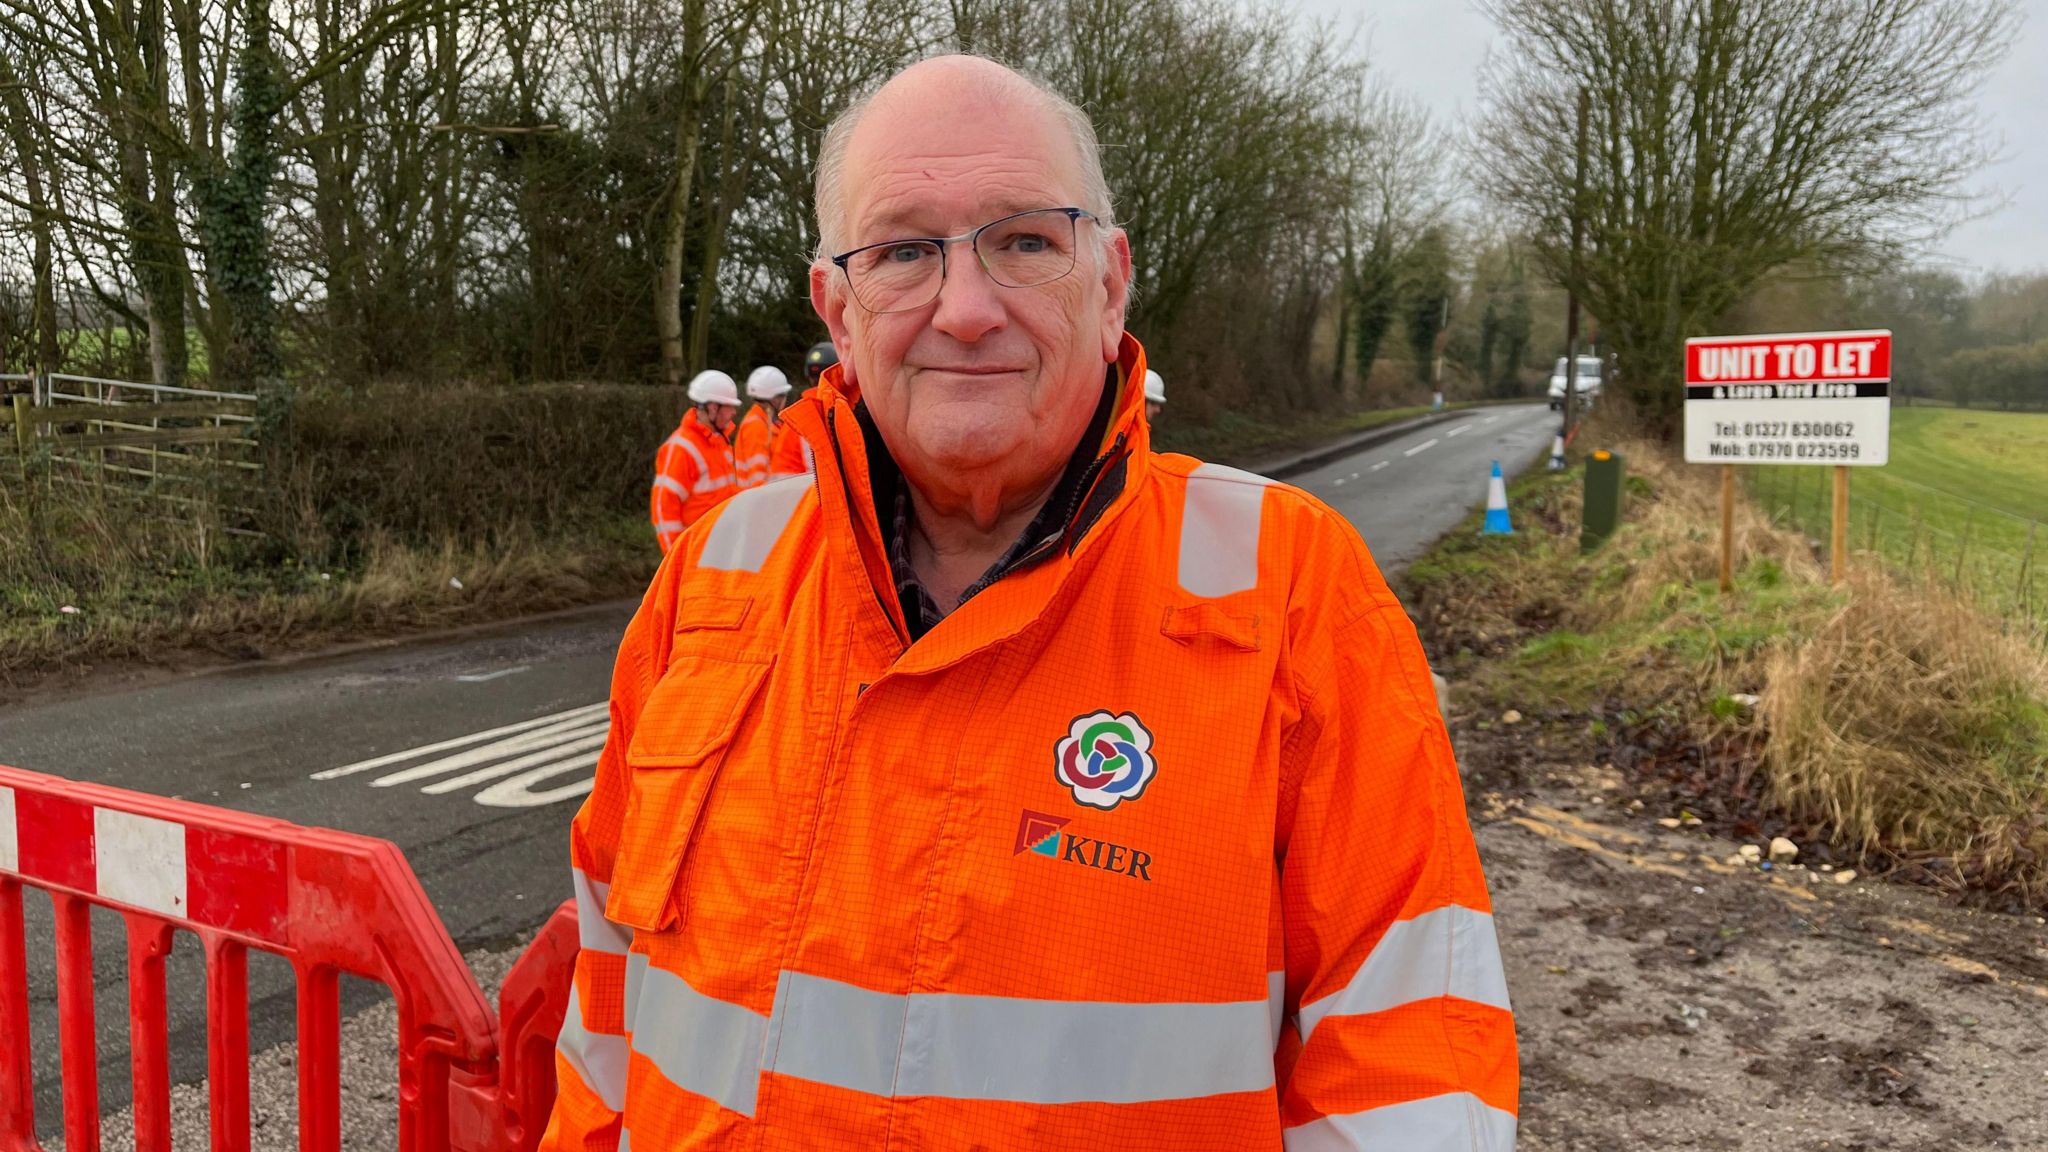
1963, 501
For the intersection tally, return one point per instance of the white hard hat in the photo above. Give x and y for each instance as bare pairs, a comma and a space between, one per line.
1155, 387
714, 387
766, 382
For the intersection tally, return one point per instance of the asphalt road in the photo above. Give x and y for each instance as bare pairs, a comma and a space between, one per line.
471, 754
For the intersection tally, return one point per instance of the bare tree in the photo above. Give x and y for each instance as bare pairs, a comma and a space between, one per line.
1728, 138
1395, 161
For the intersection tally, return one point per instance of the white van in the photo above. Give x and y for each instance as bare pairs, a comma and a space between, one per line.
1590, 368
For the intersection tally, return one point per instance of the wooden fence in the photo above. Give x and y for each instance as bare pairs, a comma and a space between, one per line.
189, 449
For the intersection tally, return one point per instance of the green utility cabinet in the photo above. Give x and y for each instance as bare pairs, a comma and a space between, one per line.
1603, 499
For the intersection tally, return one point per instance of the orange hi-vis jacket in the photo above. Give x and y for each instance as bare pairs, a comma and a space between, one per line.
750, 447
1156, 842
693, 473
789, 454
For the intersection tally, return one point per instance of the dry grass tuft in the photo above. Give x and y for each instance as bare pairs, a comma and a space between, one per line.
1913, 725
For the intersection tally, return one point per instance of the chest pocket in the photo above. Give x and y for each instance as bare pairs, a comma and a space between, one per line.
685, 732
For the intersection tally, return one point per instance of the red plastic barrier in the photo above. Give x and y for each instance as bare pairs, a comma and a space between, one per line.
329, 902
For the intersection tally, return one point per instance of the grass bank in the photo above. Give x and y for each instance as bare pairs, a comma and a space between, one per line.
1963, 502
1888, 718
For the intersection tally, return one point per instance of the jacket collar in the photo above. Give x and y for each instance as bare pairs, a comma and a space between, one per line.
704, 433
850, 461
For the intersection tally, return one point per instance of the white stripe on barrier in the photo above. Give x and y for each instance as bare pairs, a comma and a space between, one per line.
1449, 951
1455, 1122
140, 860
10, 844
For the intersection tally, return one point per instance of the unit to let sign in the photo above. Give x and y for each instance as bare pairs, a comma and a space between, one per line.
1811, 398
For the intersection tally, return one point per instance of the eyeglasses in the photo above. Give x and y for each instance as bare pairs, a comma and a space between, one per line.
1023, 250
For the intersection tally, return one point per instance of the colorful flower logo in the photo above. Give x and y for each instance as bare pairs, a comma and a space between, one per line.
1105, 759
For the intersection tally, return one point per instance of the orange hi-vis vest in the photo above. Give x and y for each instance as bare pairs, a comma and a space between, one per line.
693, 473
1156, 842
789, 454
750, 447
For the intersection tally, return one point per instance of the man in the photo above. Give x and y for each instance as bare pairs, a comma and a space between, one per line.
1009, 785
693, 472
1155, 395
821, 356
768, 388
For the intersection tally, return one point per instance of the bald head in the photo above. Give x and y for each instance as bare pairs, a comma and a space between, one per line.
970, 87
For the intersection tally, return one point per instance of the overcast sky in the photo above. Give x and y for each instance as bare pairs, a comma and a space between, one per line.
1433, 48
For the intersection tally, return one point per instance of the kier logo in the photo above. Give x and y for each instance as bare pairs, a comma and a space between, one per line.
1044, 835
1039, 833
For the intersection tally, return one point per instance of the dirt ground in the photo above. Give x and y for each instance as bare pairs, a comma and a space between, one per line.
1671, 995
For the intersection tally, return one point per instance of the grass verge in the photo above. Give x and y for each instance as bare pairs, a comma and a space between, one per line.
1890, 719
86, 580
402, 509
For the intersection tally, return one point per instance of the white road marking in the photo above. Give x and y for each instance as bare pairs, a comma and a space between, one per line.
486, 677
530, 752
1489, 419
1425, 446
1458, 429
1380, 465
538, 740
458, 742
1338, 483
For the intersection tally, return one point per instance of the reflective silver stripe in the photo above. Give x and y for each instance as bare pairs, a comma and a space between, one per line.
599, 1058
1025, 1051
669, 526
1276, 1003
699, 1043
707, 484
749, 524
671, 484
636, 976
835, 1033
1451, 951
1219, 530
1456, 1122
593, 931
703, 469
625, 1140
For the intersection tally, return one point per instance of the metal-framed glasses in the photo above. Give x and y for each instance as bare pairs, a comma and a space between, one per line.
1021, 250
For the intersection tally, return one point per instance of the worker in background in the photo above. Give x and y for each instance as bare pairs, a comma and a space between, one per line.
821, 356
768, 388
1015, 786
693, 472
1155, 395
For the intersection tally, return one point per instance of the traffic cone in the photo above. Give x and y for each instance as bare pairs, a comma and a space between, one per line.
1557, 453
1497, 505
